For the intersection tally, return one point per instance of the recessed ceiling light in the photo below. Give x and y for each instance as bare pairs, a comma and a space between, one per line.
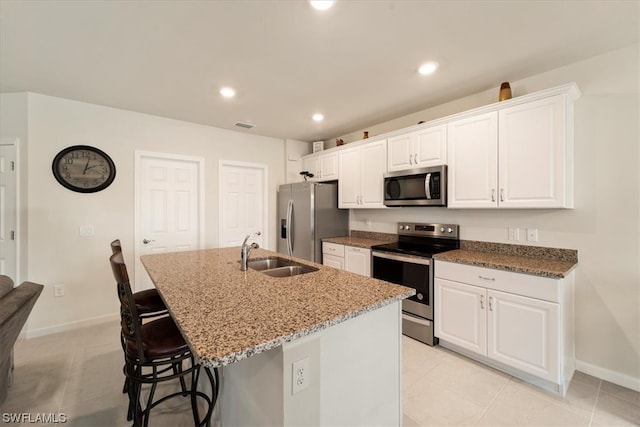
321, 4
428, 68
318, 117
227, 92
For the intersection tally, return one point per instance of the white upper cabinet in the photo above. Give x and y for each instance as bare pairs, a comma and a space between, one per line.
519, 156
421, 148
473, 161
535, 155
324, 167
361, 181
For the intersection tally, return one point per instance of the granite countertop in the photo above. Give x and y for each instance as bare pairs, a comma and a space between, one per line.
538, 261
359, 242
227, 315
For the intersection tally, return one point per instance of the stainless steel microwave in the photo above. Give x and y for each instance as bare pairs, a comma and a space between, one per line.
416, 187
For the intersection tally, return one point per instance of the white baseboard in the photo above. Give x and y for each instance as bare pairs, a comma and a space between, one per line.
29, 333
609, 375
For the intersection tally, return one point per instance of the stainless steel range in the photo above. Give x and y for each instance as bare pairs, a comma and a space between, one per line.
409, 262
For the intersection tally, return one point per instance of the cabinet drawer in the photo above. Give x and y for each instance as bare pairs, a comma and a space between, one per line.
333, 249
515, 283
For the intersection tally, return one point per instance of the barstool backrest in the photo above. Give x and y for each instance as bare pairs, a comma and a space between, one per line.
130, 320
116, 247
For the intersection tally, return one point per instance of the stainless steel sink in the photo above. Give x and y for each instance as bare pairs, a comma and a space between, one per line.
279, 267
261, 264
292, 270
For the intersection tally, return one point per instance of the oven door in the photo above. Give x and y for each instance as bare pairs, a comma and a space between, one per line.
412, 272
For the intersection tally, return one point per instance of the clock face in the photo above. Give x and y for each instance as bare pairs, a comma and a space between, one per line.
83, 169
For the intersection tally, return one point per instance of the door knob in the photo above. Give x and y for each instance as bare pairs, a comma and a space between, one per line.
147, 241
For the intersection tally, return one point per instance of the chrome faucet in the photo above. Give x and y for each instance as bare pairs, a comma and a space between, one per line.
246, 250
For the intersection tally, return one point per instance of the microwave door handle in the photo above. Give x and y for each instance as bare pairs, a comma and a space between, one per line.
427, 186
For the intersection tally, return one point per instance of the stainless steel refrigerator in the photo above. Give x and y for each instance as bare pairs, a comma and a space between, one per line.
307, 213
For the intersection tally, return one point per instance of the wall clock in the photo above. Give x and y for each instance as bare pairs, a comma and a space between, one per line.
83, 169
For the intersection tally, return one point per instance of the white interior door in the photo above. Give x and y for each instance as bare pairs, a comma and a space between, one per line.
170, 207
8, 209
243, 203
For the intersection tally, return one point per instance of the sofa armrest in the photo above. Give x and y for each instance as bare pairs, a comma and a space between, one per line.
15, 307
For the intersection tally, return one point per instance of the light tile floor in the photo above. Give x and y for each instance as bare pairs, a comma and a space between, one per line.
79, 374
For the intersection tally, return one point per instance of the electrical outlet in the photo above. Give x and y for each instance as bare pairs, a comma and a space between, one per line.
367, 222
58, 290
514, 233
86, 230
532, 234
300, 375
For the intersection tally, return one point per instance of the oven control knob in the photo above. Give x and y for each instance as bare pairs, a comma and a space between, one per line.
442, 229
420, 297
449, 230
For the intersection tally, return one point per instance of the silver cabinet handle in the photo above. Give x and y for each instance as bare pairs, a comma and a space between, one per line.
415, 159
490, 303
493, 279
147, 241
493, 194
502, 194
482, 302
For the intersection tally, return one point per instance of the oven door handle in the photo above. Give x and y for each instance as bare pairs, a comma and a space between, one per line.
411, 260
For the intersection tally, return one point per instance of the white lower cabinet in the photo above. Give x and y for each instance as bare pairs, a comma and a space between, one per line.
357, 260
333, 261
348, 258
519, 323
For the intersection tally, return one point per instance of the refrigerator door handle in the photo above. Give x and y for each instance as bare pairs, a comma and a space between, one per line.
290, 226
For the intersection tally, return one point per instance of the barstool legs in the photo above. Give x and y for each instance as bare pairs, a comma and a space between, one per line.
136, 379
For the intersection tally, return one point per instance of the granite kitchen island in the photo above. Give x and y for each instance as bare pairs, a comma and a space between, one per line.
344, 330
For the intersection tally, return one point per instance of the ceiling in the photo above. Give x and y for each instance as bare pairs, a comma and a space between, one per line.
355, 63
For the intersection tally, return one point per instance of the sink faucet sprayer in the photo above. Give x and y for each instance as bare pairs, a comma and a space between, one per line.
246, 250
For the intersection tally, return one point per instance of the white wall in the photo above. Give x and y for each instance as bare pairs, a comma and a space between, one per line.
294, 150
603, 227
56, 252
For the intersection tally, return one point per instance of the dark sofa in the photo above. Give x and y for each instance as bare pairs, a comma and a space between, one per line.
15, 306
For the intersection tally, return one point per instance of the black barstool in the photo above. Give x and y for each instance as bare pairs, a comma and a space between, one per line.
155, 352
149, 305
148, 302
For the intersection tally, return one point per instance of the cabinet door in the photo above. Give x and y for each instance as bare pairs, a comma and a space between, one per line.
400, 153
430, 146
357, 260
472, 152
328, 167
533, 155
349, 182
460, 315
523, 333
312, 165
373, 165
333, 261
